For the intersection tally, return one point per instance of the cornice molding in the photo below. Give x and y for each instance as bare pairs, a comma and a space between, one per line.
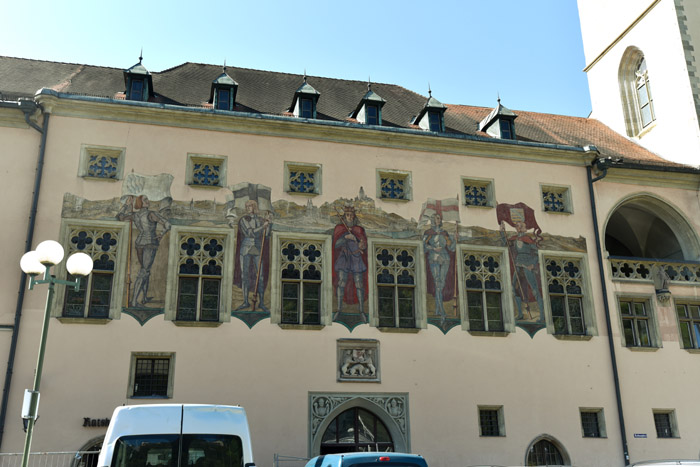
194, 118
12, 118
660, 178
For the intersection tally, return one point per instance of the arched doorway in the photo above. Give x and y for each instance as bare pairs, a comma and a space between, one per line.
356, 430
88, 454
545, 450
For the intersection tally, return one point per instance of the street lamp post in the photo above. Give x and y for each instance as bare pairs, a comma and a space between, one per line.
48, 253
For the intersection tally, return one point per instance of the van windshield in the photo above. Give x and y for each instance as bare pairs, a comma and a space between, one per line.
198, 450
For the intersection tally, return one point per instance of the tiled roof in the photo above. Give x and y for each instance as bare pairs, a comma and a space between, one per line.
271, 93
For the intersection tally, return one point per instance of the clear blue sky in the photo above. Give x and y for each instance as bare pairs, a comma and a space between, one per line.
469, 51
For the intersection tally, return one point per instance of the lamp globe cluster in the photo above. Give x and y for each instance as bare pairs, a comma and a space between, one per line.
49, 253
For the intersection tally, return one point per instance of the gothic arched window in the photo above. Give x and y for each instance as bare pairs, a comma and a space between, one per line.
635, 92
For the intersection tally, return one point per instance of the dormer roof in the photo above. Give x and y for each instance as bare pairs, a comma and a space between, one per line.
370, 97
139, 71
500, 111
223, 81
430, 104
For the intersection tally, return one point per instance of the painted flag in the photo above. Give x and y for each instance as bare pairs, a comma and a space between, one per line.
447, 208
154, 187
243, 192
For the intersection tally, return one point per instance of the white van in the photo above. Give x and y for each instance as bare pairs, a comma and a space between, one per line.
177, 435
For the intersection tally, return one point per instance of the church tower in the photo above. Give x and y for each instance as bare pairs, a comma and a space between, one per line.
643, 67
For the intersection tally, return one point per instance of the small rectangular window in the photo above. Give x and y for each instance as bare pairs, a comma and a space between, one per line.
478, 192
204, 170
136, 93
302, 178
665, 423
491, 421
151, 375
223, 97
394, 185
435, 121
371, 115
507, 131
592, 425
306, 108
556, 199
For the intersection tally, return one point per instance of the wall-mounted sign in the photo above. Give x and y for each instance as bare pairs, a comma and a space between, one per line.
95, 422
640, 435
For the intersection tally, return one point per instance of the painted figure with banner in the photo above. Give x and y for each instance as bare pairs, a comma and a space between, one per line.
349, 262
252, 244
439, 246
523, 250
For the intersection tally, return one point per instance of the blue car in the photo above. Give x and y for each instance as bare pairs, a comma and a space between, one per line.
368, 459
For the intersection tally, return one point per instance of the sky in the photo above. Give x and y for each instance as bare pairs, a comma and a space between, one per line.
470, 52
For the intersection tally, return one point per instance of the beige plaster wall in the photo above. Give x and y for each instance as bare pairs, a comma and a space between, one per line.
540, 381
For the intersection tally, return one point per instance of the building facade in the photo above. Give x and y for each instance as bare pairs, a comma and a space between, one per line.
359, 266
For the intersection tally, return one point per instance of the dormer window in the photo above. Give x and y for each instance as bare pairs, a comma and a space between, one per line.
138, 81
136, 91
223, 92
500, 123
369, 110
432, 116
305, 100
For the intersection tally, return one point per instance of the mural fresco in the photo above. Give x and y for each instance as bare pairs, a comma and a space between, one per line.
147, 206
349, 266
252, 267
439, 247
524, 259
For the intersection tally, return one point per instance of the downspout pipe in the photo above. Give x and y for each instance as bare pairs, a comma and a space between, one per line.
29, 107
602, 164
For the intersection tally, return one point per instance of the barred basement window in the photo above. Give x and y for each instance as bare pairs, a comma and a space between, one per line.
556, 199
199, 277
665, 423
301, 273
565, 287
206, 170
101, 162
151, 375
482, 274
94, 297
396, 282
302, 178
478, 192
394, 185
689, 324
491, 421
592, 423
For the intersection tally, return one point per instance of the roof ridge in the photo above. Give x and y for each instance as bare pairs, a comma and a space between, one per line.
60, 63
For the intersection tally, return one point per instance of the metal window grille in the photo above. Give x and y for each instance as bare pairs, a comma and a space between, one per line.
199, 277
151, 377
476, 193
396, 282
544, 452
590, 424
554, 199
393, 186
206, 172
94, 297
662, 421
102, 164
482, 272
488, 420
300, 274
302, 180
565, 287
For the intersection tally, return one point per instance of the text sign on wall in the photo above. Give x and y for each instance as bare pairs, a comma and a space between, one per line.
640, 435
90, 422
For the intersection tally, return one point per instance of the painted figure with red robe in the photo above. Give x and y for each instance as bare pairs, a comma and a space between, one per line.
523, 250
439, 248
350, 262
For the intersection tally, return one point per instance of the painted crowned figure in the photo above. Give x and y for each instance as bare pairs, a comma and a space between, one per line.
350, 262
523, 248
